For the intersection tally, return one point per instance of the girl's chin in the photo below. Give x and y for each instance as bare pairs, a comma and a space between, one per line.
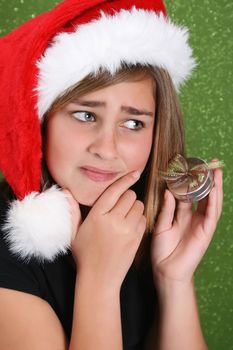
87, 195
85, 200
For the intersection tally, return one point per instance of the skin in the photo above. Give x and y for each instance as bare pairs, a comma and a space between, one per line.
179, 243
180, 238
108, 141
106, 240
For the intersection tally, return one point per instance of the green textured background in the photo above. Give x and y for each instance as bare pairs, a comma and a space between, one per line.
208, 110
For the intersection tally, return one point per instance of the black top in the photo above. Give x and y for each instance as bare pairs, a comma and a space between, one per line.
55, 283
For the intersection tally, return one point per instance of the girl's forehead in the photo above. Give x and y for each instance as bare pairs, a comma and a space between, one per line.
98, 88
124, 92
128, 79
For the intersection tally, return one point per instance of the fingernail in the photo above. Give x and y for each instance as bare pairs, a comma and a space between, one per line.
136, 174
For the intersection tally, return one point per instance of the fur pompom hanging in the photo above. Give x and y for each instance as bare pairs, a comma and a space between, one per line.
40, 225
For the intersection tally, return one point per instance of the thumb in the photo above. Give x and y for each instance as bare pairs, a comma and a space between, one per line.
166, 215
75, 213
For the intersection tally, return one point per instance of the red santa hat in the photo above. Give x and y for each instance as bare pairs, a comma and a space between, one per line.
39, 61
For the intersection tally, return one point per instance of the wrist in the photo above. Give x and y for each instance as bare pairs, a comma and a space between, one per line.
89, 281
168, 288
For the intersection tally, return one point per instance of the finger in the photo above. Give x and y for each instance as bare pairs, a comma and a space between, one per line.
218, 185
141, 227
112, 194
135, 214
166, 215
124, 204
214, 202
183, 211
202, 205
211, 216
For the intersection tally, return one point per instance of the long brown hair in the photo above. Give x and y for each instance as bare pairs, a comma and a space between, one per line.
168, 135
168, 138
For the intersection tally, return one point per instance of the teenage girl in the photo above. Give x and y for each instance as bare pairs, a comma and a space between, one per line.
95, 252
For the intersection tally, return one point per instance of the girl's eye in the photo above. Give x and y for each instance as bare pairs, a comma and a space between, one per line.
83, 116
134, 124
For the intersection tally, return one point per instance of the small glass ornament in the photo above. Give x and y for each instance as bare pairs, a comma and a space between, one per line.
190, 179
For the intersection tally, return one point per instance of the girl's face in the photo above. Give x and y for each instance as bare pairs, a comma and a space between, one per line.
110, 129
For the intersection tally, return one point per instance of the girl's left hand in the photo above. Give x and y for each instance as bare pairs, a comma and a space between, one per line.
181, 239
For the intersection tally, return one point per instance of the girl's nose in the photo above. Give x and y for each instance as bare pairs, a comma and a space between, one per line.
104, 145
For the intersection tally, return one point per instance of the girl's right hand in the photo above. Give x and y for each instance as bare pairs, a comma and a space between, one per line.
108, 239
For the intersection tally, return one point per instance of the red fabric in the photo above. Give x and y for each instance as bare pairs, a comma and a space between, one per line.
20, 137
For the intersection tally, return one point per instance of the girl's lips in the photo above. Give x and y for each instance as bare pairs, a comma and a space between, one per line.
98, 176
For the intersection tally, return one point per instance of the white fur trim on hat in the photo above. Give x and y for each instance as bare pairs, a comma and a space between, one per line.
130, 36
40, 225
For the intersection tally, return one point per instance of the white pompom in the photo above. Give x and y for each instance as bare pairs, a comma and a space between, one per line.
40, 225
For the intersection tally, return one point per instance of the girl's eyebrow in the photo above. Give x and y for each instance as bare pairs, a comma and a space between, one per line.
127, 109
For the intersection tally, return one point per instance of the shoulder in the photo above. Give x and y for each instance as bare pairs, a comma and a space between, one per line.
32, 320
